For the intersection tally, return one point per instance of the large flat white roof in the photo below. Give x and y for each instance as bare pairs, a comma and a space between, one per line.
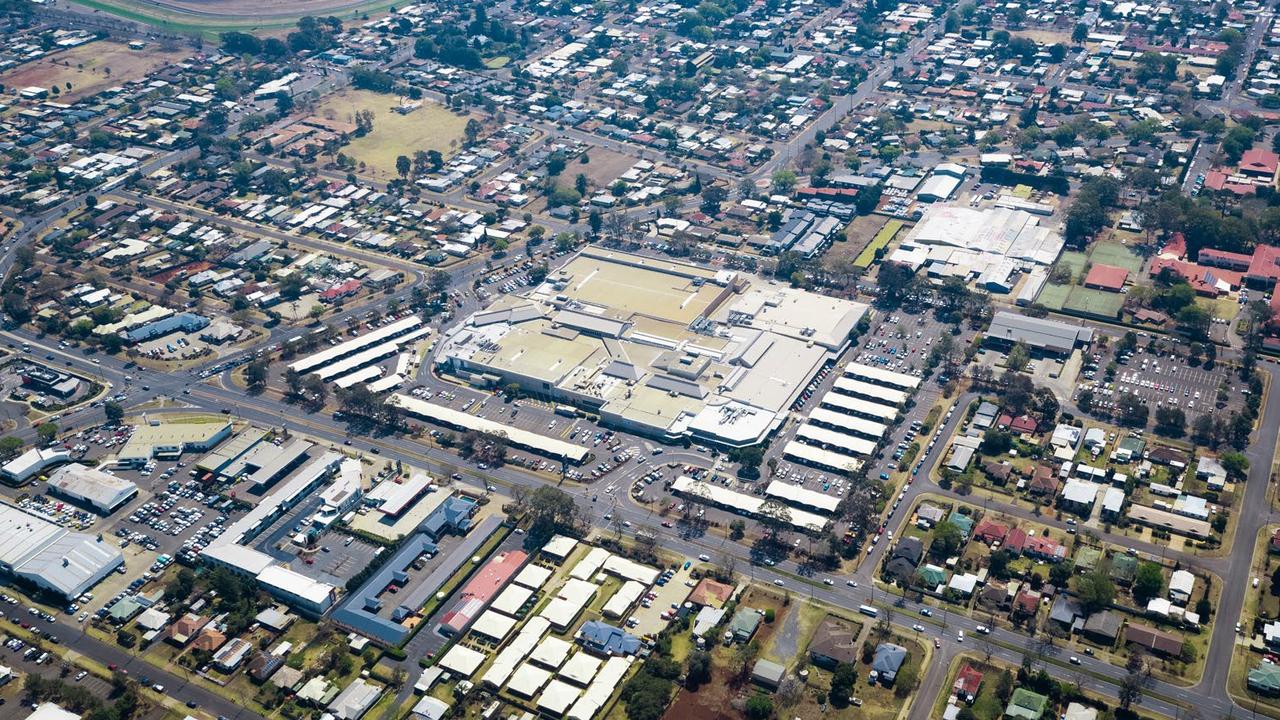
880, 376
533, 576
580, 669
873, 393
819, 457
858, 406
850, 424
551, 652
797, 495
511, 599
623, 599
550, 446
558, 696
102, 490
837, 441
528, 680
391, 497
340, 350
493, 624
741, 502
52, 556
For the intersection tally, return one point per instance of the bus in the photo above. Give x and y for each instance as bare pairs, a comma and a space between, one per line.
869, 611
567, 410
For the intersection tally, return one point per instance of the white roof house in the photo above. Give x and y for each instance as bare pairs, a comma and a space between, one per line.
1181, 585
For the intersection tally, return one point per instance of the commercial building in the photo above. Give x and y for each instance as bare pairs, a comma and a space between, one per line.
233, 549
482, 588
661, 348
43, 554
991, 245
749, 505
554, 448
91, 487
31, 463
169, 440
1051, 337
342, 350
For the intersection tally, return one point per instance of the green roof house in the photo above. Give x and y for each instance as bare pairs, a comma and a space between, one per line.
1124, 568
744, 624
931, 576
962, 521
1026, 705
1087, 559
1265, 679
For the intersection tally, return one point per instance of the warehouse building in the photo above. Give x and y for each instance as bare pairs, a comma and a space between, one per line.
91, 487
1051, 337
31, 463
50, 557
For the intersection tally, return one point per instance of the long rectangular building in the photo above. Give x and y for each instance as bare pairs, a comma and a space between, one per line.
837, 441
848, 385
859, 407
880, 376
1048, 336
797, 495
848, 424
517, 437
350, 347
823, 459
39, 552
743, 504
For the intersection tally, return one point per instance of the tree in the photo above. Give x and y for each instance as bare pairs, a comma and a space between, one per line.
697, 669
255, 373
1171, 421
1136, 675
10, 445
552, 511
737, 528
784, 181
946, 540
1132, 411
126, 639
1017, 358
1148, 583
1096, 591
842, 684
403, 166
471, 133
1079, 33
759, 707
113, 411
47, 431
1235, 463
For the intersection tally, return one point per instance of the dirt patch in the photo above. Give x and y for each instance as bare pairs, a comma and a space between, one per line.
430, 127
89, 68
603, 169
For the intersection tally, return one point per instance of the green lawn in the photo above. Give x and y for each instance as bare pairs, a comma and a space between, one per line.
881, 240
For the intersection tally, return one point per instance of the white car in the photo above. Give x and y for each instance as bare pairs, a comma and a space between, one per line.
779, 583
704, 557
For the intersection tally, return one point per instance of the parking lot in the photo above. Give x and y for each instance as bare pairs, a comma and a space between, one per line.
1164, 379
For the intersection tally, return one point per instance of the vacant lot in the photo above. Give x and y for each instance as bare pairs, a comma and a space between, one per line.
430, 127
89, 68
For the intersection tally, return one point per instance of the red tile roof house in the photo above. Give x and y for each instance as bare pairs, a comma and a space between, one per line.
1016, 540
1106, 277
1026, 603
1259, 163
990, 532
968, 680
1022, 424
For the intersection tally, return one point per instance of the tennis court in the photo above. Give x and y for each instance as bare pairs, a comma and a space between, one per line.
1093, 303
1110, 253
1076, 261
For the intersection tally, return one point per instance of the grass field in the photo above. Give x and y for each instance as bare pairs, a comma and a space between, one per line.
210, 19
1110, 253
881, 240
430, 127
1096, 303
90, 68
